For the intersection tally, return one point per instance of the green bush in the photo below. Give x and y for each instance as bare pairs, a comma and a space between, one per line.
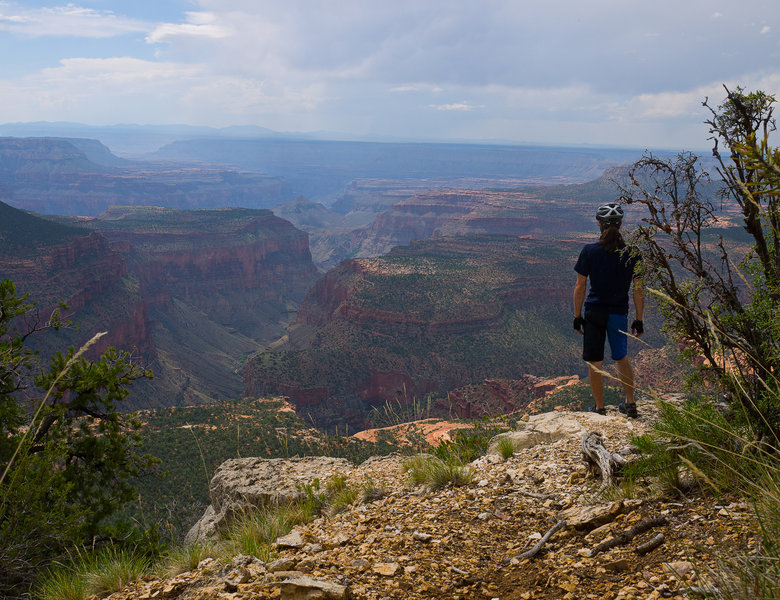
721, 306
506, 448
67, 454
695, 433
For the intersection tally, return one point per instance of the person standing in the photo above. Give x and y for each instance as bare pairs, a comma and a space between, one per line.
611, 271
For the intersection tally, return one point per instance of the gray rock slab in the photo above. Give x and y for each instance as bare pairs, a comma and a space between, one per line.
308, 588
241, 485
543, 428
590, 517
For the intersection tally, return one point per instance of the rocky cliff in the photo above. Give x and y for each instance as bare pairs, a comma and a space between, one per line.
193, 291
245, 269
426, 319
217, 283
54, 263
450, 212
377, 215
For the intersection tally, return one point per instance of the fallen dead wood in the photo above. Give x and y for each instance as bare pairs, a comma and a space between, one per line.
598, 459
535, 550
650, 545
627, 535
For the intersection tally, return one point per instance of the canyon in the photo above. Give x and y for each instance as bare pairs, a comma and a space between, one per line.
435, 288
374, 215
191, 292
423, 321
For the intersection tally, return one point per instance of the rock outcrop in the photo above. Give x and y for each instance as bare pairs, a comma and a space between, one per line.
464, 542
545, 428
244, 484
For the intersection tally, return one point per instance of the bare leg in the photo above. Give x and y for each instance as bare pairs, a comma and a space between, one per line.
596, 383
626, 374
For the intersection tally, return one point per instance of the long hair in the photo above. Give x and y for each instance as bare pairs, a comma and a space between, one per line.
610, 238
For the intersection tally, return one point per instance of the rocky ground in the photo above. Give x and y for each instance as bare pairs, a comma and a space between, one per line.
465, 542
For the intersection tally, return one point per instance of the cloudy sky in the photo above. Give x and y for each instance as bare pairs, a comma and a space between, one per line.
615, 72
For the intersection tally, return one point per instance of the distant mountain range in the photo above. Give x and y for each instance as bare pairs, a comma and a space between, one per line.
81, 177
130, 140
134, 140
321, 170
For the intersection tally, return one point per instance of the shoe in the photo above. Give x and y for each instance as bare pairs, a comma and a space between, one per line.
628, 409
601, 411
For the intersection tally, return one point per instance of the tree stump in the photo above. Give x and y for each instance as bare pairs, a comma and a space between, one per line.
600, 460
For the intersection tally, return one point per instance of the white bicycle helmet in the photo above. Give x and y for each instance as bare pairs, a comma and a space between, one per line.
610, 213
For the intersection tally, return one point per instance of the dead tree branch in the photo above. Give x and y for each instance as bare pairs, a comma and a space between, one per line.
598, 459
650, 545
535, 550
627, 535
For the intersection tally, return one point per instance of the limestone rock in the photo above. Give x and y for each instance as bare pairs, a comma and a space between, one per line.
386, 569
422, 537
544, 428
590, 517
308, 588
284, 563
204, 529
679, 568
339, 539
243, 484
294, 539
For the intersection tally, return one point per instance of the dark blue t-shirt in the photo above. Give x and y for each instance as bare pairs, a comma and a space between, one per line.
610, 275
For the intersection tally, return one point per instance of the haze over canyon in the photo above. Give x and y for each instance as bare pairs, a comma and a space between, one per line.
344, 275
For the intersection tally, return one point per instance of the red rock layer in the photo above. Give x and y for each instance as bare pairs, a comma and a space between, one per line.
86, 274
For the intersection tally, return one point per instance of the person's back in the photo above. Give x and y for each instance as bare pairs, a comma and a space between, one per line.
611, 271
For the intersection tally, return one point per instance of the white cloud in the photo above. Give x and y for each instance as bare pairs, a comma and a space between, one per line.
594, 69
126, 89
417, 87
98, 90
69, 20
666, 105
766, 29
199, 24
459, 106
688, 103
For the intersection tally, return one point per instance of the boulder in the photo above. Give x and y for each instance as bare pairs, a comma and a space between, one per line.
243, 484
585, 518
543, 428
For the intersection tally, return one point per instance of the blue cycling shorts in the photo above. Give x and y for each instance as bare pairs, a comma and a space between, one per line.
600, 326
